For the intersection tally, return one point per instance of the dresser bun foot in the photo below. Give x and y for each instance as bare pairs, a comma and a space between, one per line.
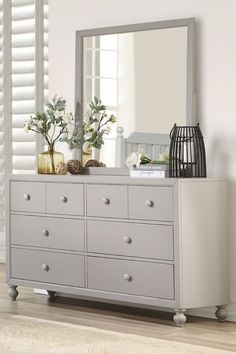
221, 313
179, 317
51, 293
12, 292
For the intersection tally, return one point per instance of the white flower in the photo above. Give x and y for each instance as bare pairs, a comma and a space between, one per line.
70, 129
133, 160
87, 136
87, 147
39, 124
67, 118
58, 114
28, 124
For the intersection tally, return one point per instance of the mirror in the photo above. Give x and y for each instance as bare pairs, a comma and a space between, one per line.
142, 73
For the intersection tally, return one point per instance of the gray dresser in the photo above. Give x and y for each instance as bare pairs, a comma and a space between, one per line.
153, 242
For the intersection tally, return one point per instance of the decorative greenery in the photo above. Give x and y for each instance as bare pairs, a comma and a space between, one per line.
52, 124
95, 125
136, 159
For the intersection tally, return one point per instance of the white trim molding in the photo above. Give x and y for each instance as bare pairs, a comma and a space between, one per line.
2, 247
209, 312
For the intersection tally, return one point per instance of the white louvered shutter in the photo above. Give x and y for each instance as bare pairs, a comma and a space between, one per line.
23, 87
45, 51
1, 124
29, 57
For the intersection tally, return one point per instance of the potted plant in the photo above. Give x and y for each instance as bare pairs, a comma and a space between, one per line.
90, 134
52, 125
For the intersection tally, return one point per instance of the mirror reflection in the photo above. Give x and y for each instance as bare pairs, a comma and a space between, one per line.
141, 78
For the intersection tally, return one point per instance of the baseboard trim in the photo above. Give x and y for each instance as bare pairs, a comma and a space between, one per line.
40, 291
2, 247
209, 312
2, 256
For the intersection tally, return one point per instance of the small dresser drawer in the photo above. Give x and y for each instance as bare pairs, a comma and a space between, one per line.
65, 198
27, 196
48, 267
131, 277
139, 240
107, 201
151, 203
66, 234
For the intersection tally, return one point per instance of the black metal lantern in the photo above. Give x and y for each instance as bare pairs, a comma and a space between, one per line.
187, 157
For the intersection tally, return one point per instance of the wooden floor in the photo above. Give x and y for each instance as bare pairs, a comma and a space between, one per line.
120, 319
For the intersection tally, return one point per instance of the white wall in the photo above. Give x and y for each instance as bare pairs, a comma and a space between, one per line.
160, 61
215, 69
126, 83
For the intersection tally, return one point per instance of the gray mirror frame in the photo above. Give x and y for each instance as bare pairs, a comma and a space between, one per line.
186, 22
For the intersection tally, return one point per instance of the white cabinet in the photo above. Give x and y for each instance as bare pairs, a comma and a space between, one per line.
153, 242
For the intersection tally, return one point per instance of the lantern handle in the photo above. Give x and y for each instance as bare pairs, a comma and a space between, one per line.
171, 132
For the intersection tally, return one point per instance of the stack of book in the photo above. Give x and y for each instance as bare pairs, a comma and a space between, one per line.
151, 170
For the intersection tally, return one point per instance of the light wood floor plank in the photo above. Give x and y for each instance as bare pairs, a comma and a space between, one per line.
149, 323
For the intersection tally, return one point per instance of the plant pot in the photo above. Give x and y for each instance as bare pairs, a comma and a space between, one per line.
86, 153
48, 160
86, 157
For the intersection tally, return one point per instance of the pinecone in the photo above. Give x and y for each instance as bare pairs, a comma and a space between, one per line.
74, 167
61, 168
92, 163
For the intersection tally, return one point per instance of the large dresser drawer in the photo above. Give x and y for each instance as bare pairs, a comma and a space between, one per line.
65, 198
48, 267
47, 232
27, 196
131, 277
151, 203
107, 201
128, 239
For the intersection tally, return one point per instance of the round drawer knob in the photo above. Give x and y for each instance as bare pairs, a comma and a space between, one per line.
26, 196
45, 267
106, 201
63, 198
45, 232
127, 277
149, 203
127, 239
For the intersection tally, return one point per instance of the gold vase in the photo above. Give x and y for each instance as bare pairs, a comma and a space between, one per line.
86, 153
48, 160
86, 157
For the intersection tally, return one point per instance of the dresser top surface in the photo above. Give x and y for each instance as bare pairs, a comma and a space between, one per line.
104, 179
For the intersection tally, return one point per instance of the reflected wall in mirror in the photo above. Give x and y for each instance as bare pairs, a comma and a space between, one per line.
142, 73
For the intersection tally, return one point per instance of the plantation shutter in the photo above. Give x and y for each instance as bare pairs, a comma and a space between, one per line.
23, 87
1, 123
29, 44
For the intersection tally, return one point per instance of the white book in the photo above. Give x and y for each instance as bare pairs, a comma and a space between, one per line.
155, 174
153, 167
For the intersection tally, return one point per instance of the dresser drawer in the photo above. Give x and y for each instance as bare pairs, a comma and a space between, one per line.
140, 240
151, 203
48, 267
65, 198
67, 234
131, 277
27, 196
107, 201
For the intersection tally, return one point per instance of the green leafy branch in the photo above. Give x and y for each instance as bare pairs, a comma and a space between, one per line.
95, 125
53, 123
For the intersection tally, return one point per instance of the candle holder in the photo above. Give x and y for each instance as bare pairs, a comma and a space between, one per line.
187, 157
